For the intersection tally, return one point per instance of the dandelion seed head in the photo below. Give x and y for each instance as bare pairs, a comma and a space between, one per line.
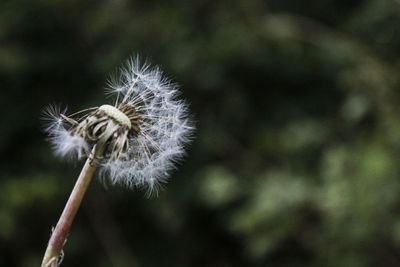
144, 132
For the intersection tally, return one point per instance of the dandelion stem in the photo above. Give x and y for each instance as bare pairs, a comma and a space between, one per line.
53, 253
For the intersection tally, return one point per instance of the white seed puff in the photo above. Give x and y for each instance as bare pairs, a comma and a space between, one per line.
143, 133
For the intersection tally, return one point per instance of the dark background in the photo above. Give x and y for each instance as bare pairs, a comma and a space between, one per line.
295, 160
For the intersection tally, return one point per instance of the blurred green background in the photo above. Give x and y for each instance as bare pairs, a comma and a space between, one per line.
295, 160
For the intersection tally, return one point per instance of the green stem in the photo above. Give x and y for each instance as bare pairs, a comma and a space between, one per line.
58, 238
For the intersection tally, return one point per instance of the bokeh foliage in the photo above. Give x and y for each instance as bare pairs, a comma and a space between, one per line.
295, 160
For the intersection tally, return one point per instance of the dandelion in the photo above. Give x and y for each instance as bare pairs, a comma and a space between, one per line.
134, 142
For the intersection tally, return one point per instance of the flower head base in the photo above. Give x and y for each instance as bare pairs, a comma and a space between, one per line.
117, 115
143, 134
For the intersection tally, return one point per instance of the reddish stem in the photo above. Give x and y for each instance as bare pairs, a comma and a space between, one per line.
59, 235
